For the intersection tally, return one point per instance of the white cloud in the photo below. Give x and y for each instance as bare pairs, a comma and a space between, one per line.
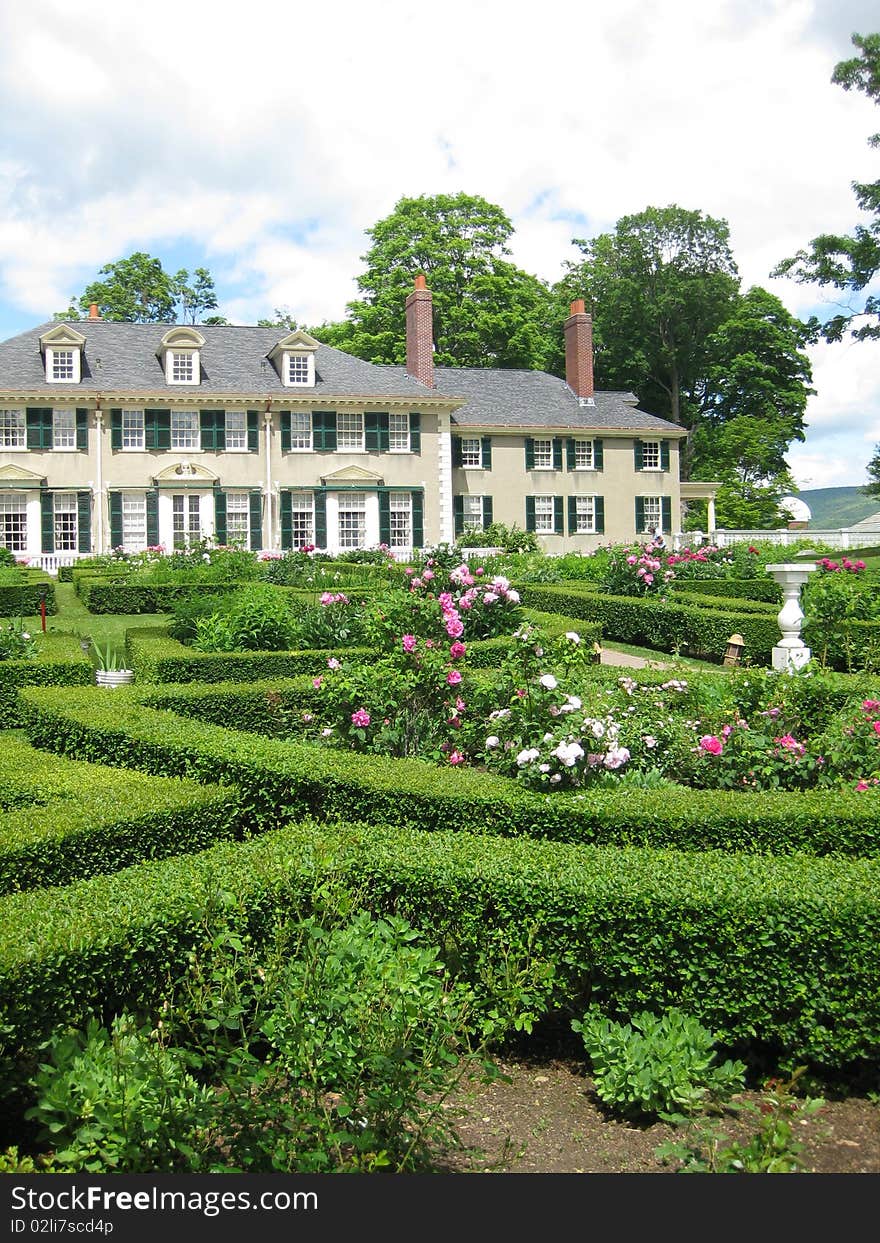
268, 139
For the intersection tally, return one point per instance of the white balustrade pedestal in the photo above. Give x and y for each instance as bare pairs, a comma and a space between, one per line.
791, 653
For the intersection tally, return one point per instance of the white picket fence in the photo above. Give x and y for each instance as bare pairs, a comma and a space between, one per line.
786, 538
49, 562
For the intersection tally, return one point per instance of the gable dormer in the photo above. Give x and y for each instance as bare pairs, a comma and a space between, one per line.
179, 353
62, 348
294, 358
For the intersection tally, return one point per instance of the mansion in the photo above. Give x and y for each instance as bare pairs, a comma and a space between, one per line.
124, 435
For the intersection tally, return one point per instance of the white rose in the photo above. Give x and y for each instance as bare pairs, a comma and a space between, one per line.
548, 681
492, 741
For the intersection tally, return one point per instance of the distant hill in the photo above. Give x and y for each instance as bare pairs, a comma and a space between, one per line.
838, 507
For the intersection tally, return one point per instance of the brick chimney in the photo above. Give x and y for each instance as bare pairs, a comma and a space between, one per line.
420, 333
579, 350
93, 311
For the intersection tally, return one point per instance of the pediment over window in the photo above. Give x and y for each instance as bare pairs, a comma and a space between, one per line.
185, 474
294, 359
352, 474
296, 340
62, 336
179, 353
20, 477
181, 337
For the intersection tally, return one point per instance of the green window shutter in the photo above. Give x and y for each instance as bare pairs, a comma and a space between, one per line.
486, 452
558, 515
664, 455
220, 530
599, 504
557, 453
415, 433
286, 523
458, 514
285, 432
324, 432
115, 432
384, 434
376, 432
666, 514
82, 431
572, 515
157, 429
487, 512
39, 428
384, 518
637, 454
153, 517
321, 511
456, 450
47, 521
530, 458
255, 502
418, 519
530, 513
598, 455
569, 453
640, 515
115, 519
84, 521
212, 425
253, 431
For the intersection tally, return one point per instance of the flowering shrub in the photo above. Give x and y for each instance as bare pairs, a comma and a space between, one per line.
646, 568
16, 642
255, 619
472, 605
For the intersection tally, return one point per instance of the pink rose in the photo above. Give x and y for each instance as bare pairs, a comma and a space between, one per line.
455, 757
409, 642
360, 718
453, 677
457, 650
710, 743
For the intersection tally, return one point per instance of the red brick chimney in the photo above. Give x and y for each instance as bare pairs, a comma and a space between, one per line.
93, 311
579, 350
420, 333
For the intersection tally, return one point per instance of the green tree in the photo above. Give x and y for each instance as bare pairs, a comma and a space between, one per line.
849, 262
135, 290
196, 297
872, 488
487, 312
281, 318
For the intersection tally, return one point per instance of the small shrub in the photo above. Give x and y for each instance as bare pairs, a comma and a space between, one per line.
16, 642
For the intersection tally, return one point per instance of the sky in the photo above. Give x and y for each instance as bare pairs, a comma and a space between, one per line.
261, 140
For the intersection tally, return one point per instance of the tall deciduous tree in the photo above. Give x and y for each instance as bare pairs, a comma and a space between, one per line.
487, 312
196, 296
139, 290
849, 262
872, 488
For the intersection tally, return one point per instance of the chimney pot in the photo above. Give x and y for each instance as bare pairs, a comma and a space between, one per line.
579, 350
420, 282
420, 333
93, 311
577, 307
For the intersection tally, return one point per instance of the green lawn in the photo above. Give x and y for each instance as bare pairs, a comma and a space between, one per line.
74, 618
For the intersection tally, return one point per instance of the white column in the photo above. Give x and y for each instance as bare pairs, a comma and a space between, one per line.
711, 516
444, 453
98, 518
269, 541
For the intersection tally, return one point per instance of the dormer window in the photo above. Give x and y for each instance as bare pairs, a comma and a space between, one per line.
181, 350
294, 358
62, 353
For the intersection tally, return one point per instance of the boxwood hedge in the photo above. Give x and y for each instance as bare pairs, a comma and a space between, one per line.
22, 598
60, 662
760, 589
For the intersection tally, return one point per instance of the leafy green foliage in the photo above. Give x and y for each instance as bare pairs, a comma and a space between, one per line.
137, 289
256, 619
16, 642
656, 1065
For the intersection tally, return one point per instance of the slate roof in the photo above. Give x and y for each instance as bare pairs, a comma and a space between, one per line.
120, 358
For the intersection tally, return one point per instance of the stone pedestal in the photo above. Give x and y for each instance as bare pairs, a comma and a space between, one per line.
790, 653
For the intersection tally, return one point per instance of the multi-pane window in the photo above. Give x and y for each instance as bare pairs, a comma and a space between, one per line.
652, 509
63, 429
352, 520
584, 456
134, 523
187, 527
472, 513
185, 429
398, 433
182, 367
302, 518
585, 514
298, 369
63, 366
651, 455
400, 505
544, 514
132, 429
13, 522
350, 435
471, 455
300, 430
64, 507
236, 429
238, 518
13, 434
543, 454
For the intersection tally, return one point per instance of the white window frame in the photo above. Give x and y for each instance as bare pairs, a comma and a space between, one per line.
134, 521
651, 449
472, 513
133, 433
352, 504
545, 453
236, 434
400, 519
585, 450
355, 431
545, 515
238, 504
13, 428
301, 435
398, 433
299, 369
171, 364
63, 430
14, 535
302, 518
65, 514
653, 518
186, 442
54, 355
471, 453
585, 515
190, 531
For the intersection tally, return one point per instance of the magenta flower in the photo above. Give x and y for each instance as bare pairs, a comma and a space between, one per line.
455, 627
317, 683
361, 718
409, 642
877, 727
457, 650
332, 663
453, 677
870, 705
712, 744
455, 757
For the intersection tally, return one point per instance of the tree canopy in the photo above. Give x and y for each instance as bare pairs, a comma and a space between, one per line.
849, 262
139, 290
872, 488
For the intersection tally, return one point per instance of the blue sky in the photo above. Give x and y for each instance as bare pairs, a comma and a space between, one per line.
263, 142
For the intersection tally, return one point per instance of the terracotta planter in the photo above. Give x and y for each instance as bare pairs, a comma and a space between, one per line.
114, 677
